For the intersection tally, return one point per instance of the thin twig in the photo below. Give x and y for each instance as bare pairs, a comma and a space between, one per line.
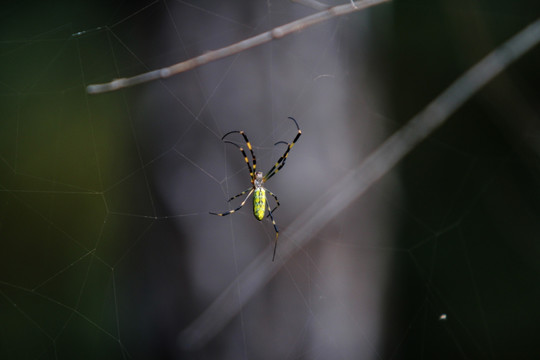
214, 55
354, 184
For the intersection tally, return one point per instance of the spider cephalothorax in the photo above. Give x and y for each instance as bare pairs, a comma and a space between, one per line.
260, 203
258, 179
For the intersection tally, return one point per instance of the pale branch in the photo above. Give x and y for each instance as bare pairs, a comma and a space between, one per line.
214, 55
341, 195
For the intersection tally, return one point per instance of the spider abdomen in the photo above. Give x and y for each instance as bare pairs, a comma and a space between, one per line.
259, 203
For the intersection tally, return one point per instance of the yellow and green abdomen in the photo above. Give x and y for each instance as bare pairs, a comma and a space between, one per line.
259, 203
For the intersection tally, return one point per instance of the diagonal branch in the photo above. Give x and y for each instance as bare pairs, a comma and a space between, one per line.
214, 55
353, 185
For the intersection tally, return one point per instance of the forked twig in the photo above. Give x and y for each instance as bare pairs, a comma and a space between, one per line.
301, 231
213, 55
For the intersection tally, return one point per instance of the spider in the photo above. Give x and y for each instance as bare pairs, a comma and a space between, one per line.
260, 201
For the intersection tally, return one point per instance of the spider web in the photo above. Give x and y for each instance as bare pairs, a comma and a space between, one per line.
107, 247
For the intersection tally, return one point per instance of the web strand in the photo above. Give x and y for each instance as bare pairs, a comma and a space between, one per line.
340, 196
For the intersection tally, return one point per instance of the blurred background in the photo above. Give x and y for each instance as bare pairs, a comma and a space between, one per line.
107, 249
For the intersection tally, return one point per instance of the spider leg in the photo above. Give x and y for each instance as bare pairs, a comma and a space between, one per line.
286, 143
281, 162
253, 158
238, 208
242, 193
276, 229
275, 198
245, 157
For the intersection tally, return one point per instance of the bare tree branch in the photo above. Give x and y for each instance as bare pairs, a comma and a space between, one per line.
353, 185
213, 55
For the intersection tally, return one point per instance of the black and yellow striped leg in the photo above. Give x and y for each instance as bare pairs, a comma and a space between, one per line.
286, 143
276, 230
242, 193
275, 198
281, 162
245, 157
253, 158
238, 208
250, 148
